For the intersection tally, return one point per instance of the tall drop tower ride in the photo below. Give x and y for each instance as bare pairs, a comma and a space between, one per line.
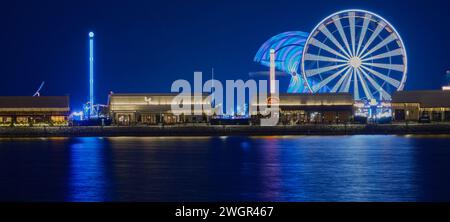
91, 74
272, 72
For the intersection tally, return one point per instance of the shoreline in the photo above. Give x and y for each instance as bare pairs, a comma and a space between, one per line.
206, 130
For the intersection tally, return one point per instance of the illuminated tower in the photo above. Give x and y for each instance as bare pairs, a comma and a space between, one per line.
447, 77
272, 72
91, 74
447, 80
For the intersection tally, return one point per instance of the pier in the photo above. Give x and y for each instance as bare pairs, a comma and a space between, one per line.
207, 130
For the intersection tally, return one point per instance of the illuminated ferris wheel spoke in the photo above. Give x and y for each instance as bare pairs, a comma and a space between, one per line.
312, 57
395, 67
328, 79
346, 86
377, 31
368, 63
386, 41
340, 81
338, 24
380, 89
318, 44
355, 84
364, 85
365, 26
383, 93
388, 79
330, 36
313, 72
352, 30
392, 53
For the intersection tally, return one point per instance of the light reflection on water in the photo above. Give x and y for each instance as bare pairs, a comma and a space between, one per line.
287, 168
87, 180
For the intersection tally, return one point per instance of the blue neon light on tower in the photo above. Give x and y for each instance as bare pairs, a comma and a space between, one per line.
91, 74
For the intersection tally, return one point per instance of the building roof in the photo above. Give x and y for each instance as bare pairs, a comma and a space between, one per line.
26, 104
426, 98
151, 102
34, 102
316, 99
148, 94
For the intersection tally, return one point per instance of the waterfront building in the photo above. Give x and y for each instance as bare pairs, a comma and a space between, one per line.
34, 111
300, 108
423, 105
150, 109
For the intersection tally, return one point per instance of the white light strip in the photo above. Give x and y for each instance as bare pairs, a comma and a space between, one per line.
346, 87
330, 36
338, 24
313, 72
355, 85
328, 79
377, 31
388, 79
339, 83
311, 57
365, 26
386, 41
364, 84
392, 53
352, 30
376, 86
396, 67
316, 43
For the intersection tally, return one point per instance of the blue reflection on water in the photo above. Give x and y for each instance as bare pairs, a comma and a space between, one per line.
356, 168
87, 180
293, 168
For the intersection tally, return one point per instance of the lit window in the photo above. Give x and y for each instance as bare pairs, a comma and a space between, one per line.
22, 119
58, 118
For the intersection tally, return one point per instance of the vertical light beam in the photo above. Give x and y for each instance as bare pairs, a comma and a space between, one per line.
91, 74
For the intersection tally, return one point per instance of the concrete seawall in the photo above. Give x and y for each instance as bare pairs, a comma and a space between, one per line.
203, 130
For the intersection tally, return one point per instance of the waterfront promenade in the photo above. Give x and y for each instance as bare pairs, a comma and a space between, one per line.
207, 130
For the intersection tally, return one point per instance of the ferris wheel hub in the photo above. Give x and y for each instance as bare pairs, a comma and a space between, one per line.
355, 62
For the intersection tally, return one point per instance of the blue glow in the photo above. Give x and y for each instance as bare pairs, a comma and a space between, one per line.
77, 115
288, 48
87, 181
91, 73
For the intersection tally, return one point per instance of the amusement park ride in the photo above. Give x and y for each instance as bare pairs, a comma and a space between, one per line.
352, 51
92, 114
447, 81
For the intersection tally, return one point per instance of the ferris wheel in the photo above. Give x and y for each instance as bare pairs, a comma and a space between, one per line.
355, 51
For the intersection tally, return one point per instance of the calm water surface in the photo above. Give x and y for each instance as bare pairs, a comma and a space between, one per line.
311, 168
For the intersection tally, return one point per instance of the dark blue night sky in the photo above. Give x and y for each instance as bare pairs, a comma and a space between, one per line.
143, 46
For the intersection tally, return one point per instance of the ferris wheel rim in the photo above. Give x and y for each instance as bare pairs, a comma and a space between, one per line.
359, 69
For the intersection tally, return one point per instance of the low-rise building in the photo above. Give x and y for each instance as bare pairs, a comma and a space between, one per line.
298, 108
151, 109
34, 111
433, 105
